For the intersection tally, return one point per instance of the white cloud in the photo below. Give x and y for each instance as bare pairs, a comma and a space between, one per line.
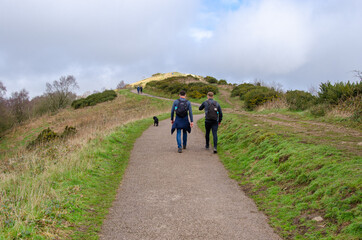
100, 42
200, 34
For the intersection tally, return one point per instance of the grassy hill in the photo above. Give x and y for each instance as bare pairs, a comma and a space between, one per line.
163, 76
63, 189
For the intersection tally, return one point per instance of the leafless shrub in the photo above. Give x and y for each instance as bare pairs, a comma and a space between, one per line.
19, 105
121, 85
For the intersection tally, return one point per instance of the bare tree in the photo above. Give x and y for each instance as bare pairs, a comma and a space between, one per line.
5, 118
121, 85
2, 90
19, 105
358, 74
60, 92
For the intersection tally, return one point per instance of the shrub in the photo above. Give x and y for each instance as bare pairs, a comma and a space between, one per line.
319, 110
95, 98
211, 79
48, 135
242, 89
341, 91
68, 132
196, 94
357, 115
175, 84
222, 82
259, 96
299, 100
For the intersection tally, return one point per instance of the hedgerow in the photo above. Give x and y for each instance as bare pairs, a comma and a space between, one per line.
95, 98
259, 96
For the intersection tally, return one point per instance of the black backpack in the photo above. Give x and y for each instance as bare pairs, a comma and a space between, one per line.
181, 109
212, 113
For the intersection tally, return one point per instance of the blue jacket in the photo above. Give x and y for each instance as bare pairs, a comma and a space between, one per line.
181, 123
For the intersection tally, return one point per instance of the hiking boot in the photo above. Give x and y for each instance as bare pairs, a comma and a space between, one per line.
215, 150
207, 146
184, 146
180, 150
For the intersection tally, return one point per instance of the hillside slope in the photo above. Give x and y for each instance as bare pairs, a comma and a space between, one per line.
163, 76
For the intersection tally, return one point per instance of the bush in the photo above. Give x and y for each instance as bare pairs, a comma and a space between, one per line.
222, 82
95, 98
195, 94
48, 135
341, 91
68, 132
299, 100
242, 89
174, 85
319, 110
259, 96
211, 79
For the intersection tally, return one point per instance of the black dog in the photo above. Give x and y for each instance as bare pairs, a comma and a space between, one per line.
155, 121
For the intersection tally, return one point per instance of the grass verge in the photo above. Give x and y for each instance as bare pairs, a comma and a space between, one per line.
63, 190
294, 181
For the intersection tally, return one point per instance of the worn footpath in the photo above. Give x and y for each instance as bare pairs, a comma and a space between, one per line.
188, 195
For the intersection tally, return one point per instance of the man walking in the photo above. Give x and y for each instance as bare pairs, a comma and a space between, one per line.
183, 109
213, 118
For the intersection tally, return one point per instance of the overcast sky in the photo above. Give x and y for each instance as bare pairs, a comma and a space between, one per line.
297, 43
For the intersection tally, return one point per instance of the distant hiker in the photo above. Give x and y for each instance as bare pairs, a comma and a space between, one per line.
138, 89
141, 89
213, 118
183, 109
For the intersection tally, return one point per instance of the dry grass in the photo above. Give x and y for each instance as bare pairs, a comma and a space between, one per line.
161, 77
276, 103
346, 109
26, 177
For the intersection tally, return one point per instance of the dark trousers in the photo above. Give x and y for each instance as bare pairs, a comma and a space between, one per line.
211, 125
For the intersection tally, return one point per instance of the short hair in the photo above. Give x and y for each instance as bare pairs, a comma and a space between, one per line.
182, 93
210, 94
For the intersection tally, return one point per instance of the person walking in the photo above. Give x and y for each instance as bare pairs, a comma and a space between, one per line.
138, 89
141, 89
183, 110
213, 118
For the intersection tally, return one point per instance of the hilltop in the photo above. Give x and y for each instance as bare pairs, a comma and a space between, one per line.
163, 76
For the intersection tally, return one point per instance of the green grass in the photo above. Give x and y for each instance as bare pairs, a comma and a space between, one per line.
293, 181
64, 190
80, 194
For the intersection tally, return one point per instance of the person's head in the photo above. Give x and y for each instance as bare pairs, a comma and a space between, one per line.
210, 95
182, 93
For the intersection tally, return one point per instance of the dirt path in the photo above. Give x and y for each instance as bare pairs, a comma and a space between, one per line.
168, 195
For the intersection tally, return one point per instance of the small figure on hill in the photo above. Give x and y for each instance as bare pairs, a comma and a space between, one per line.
141, 89
183, 109
213, 118
138, 89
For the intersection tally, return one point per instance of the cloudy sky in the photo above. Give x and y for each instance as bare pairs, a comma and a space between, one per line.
297, 43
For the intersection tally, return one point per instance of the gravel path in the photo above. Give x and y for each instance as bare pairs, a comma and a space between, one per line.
170, 195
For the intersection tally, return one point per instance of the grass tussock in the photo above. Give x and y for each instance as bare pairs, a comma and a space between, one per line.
294, 181
63, 190
274, 104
